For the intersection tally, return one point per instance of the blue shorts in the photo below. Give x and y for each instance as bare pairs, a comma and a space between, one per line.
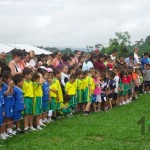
94, 97
9, 108
45, 105
1, 116
17, 115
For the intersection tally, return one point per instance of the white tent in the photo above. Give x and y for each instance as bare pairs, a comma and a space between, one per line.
5, 48
8, 47
38, 51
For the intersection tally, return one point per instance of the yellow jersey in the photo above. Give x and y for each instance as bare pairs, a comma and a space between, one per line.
37, 88
27, 89
53, 86
70, 88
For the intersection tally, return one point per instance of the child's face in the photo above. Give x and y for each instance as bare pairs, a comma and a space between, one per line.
65, 70
80, 76
97, 75
49, 79
20, 84
58, 75
7, 80
73, 71
45, 76
72, 80
29, 76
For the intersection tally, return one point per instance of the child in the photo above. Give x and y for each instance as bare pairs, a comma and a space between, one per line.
88, 92
28, 99
141, 79
70, 90
97, 92
45, 97
2, 128
64, 77
112, 86
8, 100
79, 89
37, 102
19, 100
71, 70
146, 75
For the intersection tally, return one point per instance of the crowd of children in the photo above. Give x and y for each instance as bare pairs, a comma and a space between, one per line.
39, 97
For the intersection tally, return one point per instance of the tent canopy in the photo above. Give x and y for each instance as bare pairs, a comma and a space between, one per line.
7, 48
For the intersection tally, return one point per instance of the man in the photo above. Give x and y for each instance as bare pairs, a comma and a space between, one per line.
144, 60
2, 60
113, 55
136, 50
131, 61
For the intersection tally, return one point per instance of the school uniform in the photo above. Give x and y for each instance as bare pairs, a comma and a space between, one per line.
1, 106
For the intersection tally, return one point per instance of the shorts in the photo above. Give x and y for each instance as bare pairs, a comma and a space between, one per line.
45, 105
17, 115
28, 101
1, 117
86, 96
136, 88
96, 98
9, 108
79, 96
111, 96
115, 96
72, 102
146, 84
53, 104
103, 98
37, 106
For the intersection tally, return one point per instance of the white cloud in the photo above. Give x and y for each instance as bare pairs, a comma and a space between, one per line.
72, 23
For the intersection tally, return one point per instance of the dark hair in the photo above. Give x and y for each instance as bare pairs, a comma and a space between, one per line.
79, 72
114, 51
42, 71
85, 73
6, 74
56, 71
73, 76
17, 79
65, 58
27, 71
17, 52
6, 68
35, 76
71, 68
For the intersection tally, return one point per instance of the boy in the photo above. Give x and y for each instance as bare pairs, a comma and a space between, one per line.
28, 99
8, 100
146, 75
70, 90
19, 100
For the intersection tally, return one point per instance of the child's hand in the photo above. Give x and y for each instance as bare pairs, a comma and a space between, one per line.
11, 83
3, 114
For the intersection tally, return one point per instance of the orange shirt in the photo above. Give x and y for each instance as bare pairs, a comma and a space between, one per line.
134, 76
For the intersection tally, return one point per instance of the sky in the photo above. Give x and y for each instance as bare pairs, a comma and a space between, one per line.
72, 23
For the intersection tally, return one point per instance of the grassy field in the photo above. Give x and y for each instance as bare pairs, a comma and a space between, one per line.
116, 129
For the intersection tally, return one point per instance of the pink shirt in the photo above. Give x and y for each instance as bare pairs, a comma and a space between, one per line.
97, 90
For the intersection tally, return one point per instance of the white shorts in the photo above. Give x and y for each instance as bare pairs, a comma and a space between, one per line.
98, 98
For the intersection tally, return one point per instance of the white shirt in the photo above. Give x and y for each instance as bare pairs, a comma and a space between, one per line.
137, 58
64, 77
113, 57
116, 78
32, 63
87, 65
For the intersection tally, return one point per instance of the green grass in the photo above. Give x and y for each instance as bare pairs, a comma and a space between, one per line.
116, 129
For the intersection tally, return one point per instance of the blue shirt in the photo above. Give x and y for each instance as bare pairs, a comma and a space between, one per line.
45, 88
19, 99
8, 97
144, 61
1, 98
129, 63
112, 84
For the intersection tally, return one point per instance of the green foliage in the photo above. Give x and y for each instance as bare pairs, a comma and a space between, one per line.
67, 51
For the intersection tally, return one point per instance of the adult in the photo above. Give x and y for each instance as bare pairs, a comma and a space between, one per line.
76, 58
49, 59
41, 60
136, 56
17, 56
131, 61
144, 60
99, 64
32, 56
57, 60
87, 64
120, 62
25, 61
2, 60
113, 55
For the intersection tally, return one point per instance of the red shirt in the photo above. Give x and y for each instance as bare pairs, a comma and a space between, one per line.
125, 80
129, 78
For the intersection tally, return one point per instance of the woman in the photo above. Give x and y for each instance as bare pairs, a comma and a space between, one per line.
57, 60
41, 60
121, 62
17, 56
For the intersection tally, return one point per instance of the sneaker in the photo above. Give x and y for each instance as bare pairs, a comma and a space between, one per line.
39, 128
3, 137
6, 135
123, 102
50, 120
32, 128
11, 132
42, 124
45, 120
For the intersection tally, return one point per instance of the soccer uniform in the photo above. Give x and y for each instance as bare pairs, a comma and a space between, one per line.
1, 106
103, 91
79, 89
53, 95
112, 86
125, 83
70, 89
45, 97
28, 96
19, 103
9, 102
37, 102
